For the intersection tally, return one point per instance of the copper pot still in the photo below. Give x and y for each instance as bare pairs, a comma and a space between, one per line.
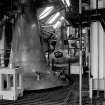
26, 46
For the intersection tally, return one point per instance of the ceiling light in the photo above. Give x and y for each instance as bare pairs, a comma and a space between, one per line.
62, 18
63, 1
66, 2
46, 12
53, 18
57, 24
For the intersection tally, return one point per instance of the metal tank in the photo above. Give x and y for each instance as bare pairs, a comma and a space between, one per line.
27, 49
28, 52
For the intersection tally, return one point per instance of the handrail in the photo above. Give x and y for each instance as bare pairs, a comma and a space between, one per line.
3, 58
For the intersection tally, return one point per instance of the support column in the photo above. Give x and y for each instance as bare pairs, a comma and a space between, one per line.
1, 84
14, 85
20, 80
20, 84
97, 49
101, 52
94, 49
8, 81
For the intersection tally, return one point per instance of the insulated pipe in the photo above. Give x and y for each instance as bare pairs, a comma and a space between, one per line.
97, 35
95, 46
97, 49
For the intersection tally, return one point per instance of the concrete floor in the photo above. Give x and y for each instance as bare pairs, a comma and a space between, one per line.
30, 81
66, 95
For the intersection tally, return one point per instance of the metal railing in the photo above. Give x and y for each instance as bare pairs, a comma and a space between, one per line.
3, 56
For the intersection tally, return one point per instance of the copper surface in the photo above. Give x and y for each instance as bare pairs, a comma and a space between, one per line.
28, 52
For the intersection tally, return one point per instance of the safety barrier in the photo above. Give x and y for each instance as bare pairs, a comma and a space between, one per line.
11, 83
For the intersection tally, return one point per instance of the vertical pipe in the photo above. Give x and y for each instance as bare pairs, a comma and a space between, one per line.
48, 53
89, 59
14, 85
8, 81
98, 44
98, 51
20, 80
80, 32
94, 48
80, 67
69, 64
97, 47
80, 6
68, 33
1, 82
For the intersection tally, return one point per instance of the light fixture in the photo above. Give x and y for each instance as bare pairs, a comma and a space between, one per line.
84, 30
63, 1
53, 18
62, 18
57, 24
45, 12
66, 2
